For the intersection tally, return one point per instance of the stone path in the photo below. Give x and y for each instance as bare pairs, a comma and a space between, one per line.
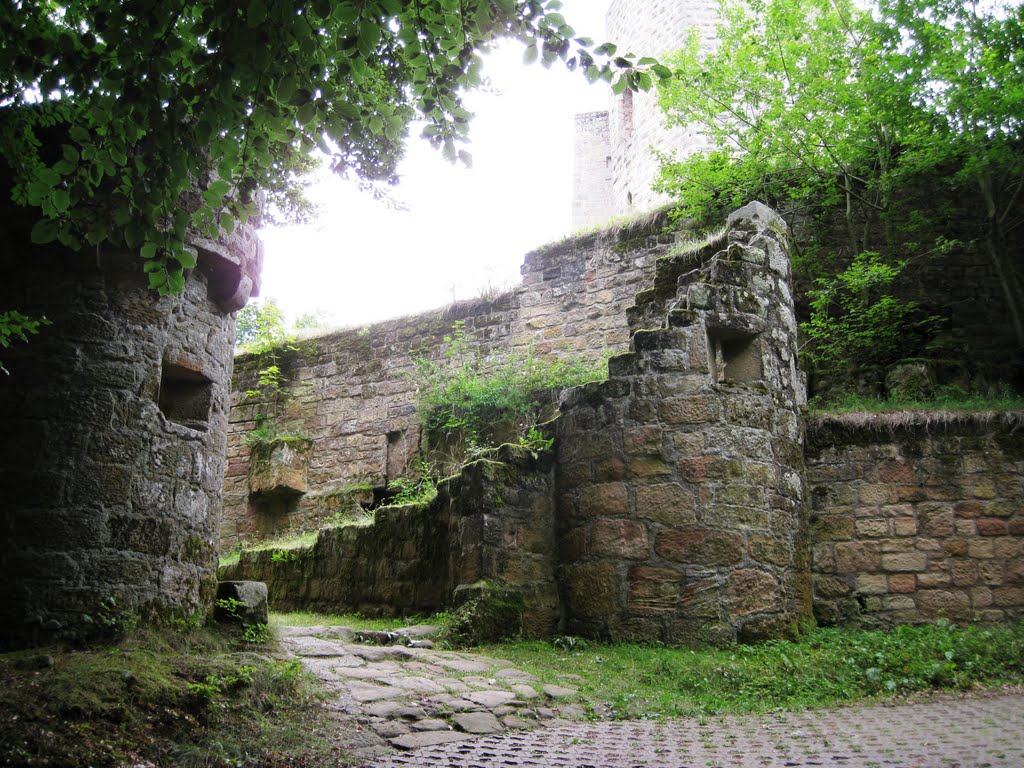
442, 708
412, 696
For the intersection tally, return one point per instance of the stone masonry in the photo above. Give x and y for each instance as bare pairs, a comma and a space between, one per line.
351, 394
114, 420
673, 508
494, 523
916, 518
681, 505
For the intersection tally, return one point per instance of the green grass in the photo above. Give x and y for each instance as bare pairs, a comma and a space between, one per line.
288, 541
351, 620
825, 668
957, 403
186, 698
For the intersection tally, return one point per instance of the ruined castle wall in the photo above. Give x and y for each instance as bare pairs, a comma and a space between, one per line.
493, 523
635, 122
114, 420
352, 395
917, 519
682, 516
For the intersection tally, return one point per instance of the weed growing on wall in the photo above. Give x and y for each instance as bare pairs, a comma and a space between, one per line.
472, 400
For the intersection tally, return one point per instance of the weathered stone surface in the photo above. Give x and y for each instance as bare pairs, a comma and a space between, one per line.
939, 551
624, 539
705, 546
478, 722
426, 739
115, 419
244, 602
666, 503
750, 591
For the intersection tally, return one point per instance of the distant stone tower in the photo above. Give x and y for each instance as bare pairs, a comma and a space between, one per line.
634, 124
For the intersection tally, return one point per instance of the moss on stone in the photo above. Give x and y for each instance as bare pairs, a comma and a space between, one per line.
487, 612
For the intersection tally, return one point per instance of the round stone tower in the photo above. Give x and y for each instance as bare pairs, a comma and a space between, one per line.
636, 124
114, 420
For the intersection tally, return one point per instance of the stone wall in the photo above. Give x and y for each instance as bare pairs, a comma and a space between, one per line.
917, 517
681, 506
351, 396
114, 421
494, 523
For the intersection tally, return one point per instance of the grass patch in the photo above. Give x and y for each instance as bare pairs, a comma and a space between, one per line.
825, 668
352, 620
189, 698
288, 541
951, 403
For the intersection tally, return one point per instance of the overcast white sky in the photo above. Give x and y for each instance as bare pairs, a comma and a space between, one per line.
464, 229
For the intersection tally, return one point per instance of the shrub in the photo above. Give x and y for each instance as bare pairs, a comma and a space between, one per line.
468, 396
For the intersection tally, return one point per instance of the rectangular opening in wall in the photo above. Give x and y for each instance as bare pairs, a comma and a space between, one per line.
735, 357
185, 396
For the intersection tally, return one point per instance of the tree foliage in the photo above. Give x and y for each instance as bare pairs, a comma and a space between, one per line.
260, 326
827, 105
113, 113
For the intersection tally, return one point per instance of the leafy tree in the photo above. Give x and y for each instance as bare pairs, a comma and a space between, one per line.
111, 113
260, 326
824, 105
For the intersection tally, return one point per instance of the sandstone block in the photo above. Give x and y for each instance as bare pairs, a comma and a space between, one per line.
604, 500
695, 409
752, 591
642, 441
857, 556
905, 561
625, 539
654, 590
872, 584
834, 527
963, 572
765, 549
700, 546
936, 603
902, 583
1008, 597
933, 579
666, 503
991, 527
593, 590
936, 520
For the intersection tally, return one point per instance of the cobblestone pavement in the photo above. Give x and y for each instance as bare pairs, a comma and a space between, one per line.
986, 732
442, 708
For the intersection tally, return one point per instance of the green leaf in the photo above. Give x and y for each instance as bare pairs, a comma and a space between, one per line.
44, 231
619, 86
79, 134
148, 251
187, 257
530, 54
256, 13
70, 154
61, 200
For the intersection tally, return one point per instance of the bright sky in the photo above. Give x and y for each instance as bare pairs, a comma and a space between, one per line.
464, 230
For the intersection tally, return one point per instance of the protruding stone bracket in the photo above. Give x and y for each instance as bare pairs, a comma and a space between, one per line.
232, 267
